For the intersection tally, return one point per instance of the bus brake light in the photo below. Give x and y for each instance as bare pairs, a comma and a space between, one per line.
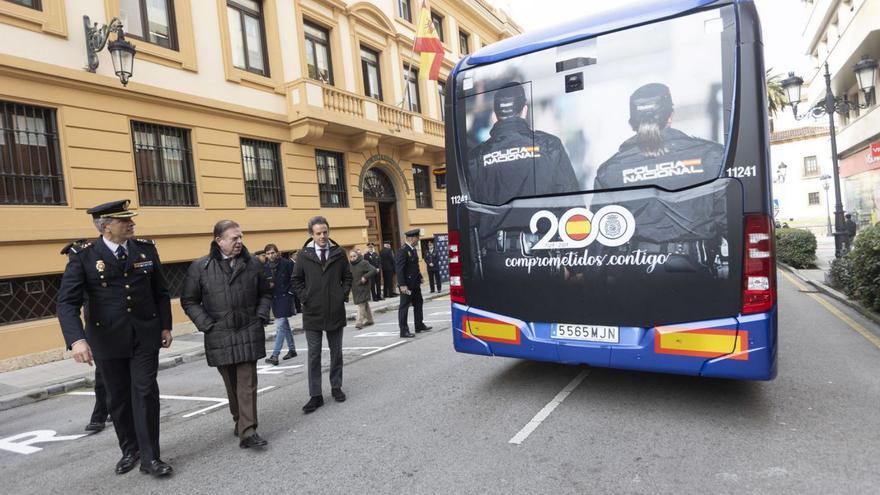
759, 270
456, 289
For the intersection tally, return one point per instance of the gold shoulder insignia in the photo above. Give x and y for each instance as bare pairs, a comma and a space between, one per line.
76, 246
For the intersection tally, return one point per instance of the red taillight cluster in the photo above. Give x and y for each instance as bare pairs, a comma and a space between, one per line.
456, 289
759, 270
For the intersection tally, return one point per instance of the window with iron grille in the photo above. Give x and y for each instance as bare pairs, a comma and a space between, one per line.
30, 158
263, 180
412, 90
437, 20
811, 166
28, 298
331, 179
34, 4
422, 183
32, 298
164, 166
175, 275
812, 198
149, 20
318, 53
464, 44
247, 35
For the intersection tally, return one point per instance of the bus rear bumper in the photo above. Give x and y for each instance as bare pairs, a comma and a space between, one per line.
743, 347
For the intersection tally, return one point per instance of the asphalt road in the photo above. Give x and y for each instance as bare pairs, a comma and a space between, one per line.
421, 418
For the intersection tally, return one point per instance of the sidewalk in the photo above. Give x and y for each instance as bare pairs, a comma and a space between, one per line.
816, 277
27, 385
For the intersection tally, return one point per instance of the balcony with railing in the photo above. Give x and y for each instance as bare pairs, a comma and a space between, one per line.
315, 109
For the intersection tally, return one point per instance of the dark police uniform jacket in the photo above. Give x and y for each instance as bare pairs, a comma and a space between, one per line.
407, 264
516, 161
432, 260
122, 301
372, 258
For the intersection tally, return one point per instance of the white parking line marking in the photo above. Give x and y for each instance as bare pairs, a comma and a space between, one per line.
268, 369
386, 347
425, 321
377, 334
536, 421
218, 402
344, 348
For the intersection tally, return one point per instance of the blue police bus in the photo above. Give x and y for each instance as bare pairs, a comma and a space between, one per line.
608, 189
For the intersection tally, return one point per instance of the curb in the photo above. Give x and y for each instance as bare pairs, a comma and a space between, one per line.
18, 399
47, 391
834, 294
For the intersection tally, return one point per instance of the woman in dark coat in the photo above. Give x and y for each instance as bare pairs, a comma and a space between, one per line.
279, 271
227, 296
362, 273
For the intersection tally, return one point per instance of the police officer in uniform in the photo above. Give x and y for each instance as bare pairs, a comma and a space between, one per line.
372, 258
118, 280
409, 281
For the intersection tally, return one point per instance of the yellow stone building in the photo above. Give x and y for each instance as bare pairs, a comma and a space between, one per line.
266, 112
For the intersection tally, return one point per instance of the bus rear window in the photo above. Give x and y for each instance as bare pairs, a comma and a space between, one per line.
647, 106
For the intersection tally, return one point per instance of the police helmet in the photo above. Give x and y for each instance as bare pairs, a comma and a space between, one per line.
650, 103
510, 100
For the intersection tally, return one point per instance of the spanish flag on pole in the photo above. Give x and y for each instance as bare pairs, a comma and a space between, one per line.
428, 44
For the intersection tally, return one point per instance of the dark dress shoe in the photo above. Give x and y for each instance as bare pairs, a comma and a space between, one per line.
407, 335
95, 426
252, 441
273, 360
127, 462
338, 394
423, 329
157, 468
313, 404
290, 354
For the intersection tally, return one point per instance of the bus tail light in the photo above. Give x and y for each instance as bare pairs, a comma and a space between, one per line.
456, 289
759, 269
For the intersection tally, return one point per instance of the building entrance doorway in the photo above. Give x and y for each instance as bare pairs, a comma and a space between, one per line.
380, 208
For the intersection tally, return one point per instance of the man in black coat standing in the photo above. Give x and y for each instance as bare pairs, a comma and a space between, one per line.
387, 257
372, 258
127, 319
279, 271
322, 280
409, 281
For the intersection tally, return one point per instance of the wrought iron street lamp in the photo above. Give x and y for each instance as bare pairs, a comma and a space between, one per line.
866, 72
825, 184
781, 170
121, 51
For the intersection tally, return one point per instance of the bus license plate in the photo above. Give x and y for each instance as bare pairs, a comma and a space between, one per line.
588, 333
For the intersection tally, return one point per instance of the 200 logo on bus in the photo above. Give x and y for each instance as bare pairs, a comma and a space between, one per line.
611, 226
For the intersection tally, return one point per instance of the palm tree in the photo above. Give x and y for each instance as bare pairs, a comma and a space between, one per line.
776, 99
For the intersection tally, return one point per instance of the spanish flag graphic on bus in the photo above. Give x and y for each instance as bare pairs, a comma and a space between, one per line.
428, 44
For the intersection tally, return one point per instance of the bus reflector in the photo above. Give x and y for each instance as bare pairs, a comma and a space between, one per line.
490, 330
701, 342
759, 269
456, 289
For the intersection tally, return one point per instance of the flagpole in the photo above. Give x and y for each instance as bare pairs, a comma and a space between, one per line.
407, 68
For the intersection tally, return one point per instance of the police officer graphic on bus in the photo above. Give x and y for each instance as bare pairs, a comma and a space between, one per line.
662, 156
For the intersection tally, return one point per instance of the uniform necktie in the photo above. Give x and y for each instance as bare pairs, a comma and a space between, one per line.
120, 253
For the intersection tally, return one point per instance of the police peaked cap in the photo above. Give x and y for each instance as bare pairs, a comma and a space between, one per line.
113, 209
510, 100
651, 102
413, 233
